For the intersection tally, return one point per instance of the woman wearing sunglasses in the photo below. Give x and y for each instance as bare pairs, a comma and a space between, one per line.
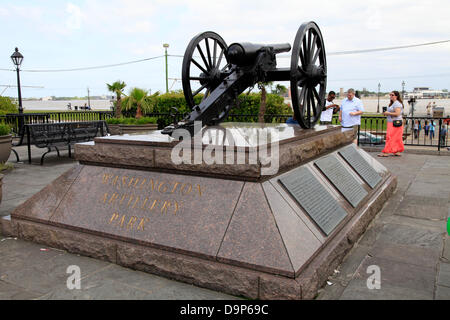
394, 132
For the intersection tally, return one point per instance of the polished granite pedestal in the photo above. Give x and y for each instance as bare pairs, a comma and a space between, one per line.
237, 228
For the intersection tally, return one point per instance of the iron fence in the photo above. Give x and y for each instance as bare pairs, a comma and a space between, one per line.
417, 131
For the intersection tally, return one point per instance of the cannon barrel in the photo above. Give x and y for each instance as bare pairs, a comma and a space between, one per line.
245, 53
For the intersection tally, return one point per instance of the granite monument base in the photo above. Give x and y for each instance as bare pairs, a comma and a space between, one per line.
229, 228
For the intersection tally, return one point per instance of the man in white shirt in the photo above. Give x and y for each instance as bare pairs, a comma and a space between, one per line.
327, 114
350, 113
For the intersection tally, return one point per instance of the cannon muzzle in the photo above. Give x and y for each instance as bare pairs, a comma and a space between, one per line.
245, 53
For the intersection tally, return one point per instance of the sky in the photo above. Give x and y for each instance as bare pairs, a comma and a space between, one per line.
70, 34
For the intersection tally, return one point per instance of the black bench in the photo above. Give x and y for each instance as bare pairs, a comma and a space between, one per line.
62, 135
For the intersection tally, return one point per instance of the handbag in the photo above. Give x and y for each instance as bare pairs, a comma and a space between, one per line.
397, 123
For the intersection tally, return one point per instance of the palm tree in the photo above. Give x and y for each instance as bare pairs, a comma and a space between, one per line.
138, 97
263, 102
117, 88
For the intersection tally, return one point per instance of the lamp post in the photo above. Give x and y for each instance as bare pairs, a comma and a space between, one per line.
403, 90
17, 58
378, 106
165, 45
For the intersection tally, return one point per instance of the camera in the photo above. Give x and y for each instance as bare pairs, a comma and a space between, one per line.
384, 109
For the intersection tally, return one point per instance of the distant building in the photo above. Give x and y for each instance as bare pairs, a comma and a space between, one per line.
426, 93
46, 98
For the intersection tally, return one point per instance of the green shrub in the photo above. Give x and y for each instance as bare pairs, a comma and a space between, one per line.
248, 105
7, 106
4, 129
124, 120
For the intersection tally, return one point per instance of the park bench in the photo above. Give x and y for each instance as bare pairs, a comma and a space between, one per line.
62, 135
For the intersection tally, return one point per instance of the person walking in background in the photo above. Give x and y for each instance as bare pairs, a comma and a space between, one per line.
350, 113
416, 128
394, 132
432, 129
429, 109
443, 135
426, 128
327, 114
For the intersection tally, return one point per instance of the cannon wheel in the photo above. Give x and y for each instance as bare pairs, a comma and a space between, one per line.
203, 62
308, 75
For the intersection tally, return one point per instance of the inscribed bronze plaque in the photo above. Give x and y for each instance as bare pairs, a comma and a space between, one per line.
361, 166
312, 196
342, 179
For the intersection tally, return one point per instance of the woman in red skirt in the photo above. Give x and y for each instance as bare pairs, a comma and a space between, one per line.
394, 135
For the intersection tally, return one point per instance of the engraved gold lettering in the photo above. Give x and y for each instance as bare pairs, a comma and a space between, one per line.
153, 184
142, 223
165, 207
105, 178
114, 183
114, 216
124, 181
129, 201
136, 180
143, 183
183, 192
175, 187
113, 198
105, 197
122, 221
122, 199
135, 203
176, 208
154, 203
145, 201
131, 222
164, 189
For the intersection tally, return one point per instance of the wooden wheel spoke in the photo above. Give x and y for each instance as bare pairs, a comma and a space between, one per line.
195, 78
206, 94
305, 49
220, 58
198, 90
316, 55
313, 46
224, 68
214, 53
199, 66
209, 53
203, 57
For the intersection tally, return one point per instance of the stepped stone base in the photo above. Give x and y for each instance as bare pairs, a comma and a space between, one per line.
244, 234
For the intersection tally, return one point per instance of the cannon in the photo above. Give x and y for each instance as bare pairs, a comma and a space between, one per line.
219, 73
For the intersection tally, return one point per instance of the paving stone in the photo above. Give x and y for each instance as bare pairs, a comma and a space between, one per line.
431, 190
331, 292
446, 252
12, 292
437, 226
399, 274
422, 211
442, 293
409, 235
359, 291
444, 274
425, 257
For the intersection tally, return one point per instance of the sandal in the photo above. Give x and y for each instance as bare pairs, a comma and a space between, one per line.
382, 155
397, 154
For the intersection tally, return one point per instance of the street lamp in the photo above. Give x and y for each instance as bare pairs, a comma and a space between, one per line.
403, 90
378, 106
17, 58
165, 45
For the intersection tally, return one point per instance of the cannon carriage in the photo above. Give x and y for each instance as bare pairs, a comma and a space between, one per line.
222, 72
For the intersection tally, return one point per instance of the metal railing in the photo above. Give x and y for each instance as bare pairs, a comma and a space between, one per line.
372, 132
13, 119
417, 131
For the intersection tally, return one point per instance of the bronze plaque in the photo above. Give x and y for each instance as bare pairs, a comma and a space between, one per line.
360, 165
342, 179
318, 203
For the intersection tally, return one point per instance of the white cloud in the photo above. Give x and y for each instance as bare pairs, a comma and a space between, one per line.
75, 17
